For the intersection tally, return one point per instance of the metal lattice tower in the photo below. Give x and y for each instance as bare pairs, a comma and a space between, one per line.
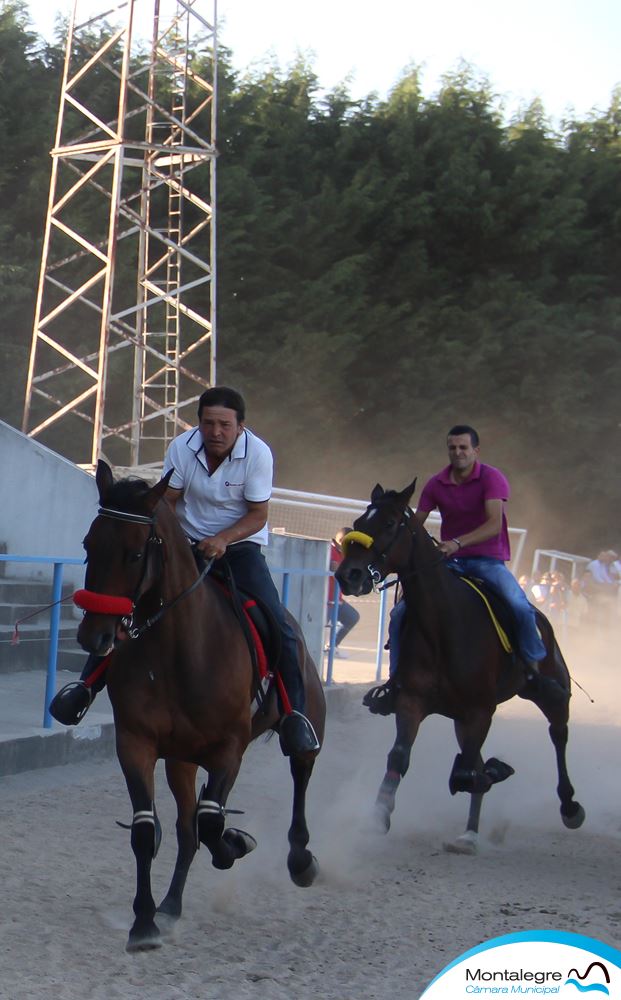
124, 333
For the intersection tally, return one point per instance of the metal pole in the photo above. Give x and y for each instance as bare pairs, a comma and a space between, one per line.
286, 581
52, 656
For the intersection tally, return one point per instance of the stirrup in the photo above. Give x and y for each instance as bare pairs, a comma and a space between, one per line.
380, 700
297, 735
71, 703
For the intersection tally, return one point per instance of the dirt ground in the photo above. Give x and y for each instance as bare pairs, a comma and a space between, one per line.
386, 914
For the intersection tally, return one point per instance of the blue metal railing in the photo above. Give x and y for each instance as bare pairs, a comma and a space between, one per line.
58, 562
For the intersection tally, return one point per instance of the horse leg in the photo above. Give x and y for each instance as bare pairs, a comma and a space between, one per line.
572, 813
138, 769
468, 774
182, 783
409, 714
302, 864
225, 846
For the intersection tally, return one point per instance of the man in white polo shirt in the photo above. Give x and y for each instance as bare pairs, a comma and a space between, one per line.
220, 488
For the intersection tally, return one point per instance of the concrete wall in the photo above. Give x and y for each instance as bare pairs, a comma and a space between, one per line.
307, 593
46, 505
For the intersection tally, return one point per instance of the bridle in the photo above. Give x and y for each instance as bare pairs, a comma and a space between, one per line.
125, 607
373, 568
407, 521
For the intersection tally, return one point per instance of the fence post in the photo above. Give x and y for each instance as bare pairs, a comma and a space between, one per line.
50, 686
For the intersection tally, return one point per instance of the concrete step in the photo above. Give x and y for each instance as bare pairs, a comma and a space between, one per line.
20, 590
32, 650
35, 613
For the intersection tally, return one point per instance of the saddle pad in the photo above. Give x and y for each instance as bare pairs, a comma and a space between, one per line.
505, 642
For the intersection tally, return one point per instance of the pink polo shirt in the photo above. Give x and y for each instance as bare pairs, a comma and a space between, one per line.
462, 507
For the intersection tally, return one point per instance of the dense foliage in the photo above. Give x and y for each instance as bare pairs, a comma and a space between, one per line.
385, 269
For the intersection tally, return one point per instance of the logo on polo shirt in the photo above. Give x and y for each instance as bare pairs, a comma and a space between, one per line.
226, 483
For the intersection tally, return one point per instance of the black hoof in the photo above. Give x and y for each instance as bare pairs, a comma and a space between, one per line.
240, 842
145, 940
575, 820
496, 770
380, 700
305, 878
71, 703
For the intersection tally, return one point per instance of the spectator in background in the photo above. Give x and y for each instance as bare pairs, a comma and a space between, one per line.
348, 617
577, 606
539, 592
601, 586
557, 597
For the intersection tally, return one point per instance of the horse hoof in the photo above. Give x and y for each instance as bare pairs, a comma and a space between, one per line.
144, 942
305, 878
576, 820
240, 842
466, 844
380, 820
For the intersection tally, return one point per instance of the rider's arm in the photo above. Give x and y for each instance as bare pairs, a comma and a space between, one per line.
250, 522
491, 527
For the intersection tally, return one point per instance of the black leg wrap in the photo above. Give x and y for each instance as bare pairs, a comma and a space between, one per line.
208, 821
496, 770
399, 759
146, 835
468, 779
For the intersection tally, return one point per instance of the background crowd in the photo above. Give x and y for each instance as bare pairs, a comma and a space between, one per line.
592, 598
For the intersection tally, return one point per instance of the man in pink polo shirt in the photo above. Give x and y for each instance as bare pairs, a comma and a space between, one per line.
474, 538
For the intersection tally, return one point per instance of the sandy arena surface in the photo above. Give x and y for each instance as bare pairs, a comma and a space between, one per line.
387, 912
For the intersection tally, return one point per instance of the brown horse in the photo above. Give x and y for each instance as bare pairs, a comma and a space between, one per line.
451, 661
181, 684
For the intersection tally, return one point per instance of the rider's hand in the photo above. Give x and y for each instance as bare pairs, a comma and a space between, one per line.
212, 548
449, 548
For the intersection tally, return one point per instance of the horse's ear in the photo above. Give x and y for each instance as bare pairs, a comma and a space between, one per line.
104, 479
156, 492
406, 494
377, 493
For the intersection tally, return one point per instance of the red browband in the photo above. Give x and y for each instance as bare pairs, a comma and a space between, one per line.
103, 604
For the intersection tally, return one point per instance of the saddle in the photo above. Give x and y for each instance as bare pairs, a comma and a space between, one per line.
499, 611
260, 631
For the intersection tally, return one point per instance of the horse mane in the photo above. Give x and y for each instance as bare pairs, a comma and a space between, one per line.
127, 495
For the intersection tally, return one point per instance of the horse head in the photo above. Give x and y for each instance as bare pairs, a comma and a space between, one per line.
379, 543
123, 557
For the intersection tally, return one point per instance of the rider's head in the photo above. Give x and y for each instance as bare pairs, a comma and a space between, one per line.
221, 413
463, 449
221, 395
460, 429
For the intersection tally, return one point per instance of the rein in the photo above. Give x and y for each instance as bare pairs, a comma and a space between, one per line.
91, 601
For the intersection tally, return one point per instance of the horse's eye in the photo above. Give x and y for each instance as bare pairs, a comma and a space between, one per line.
391, 523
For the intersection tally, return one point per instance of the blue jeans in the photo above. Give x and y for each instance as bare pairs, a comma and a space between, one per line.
501, 580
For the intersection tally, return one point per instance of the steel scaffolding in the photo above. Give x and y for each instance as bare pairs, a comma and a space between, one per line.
124, 332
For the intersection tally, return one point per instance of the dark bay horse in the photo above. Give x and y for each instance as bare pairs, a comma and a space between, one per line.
181, 685
451, 661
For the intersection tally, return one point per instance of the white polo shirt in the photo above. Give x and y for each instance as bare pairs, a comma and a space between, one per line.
212, 502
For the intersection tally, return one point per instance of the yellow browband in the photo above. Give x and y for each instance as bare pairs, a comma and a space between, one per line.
356, 536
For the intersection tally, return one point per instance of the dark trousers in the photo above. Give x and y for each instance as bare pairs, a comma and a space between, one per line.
251, 573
